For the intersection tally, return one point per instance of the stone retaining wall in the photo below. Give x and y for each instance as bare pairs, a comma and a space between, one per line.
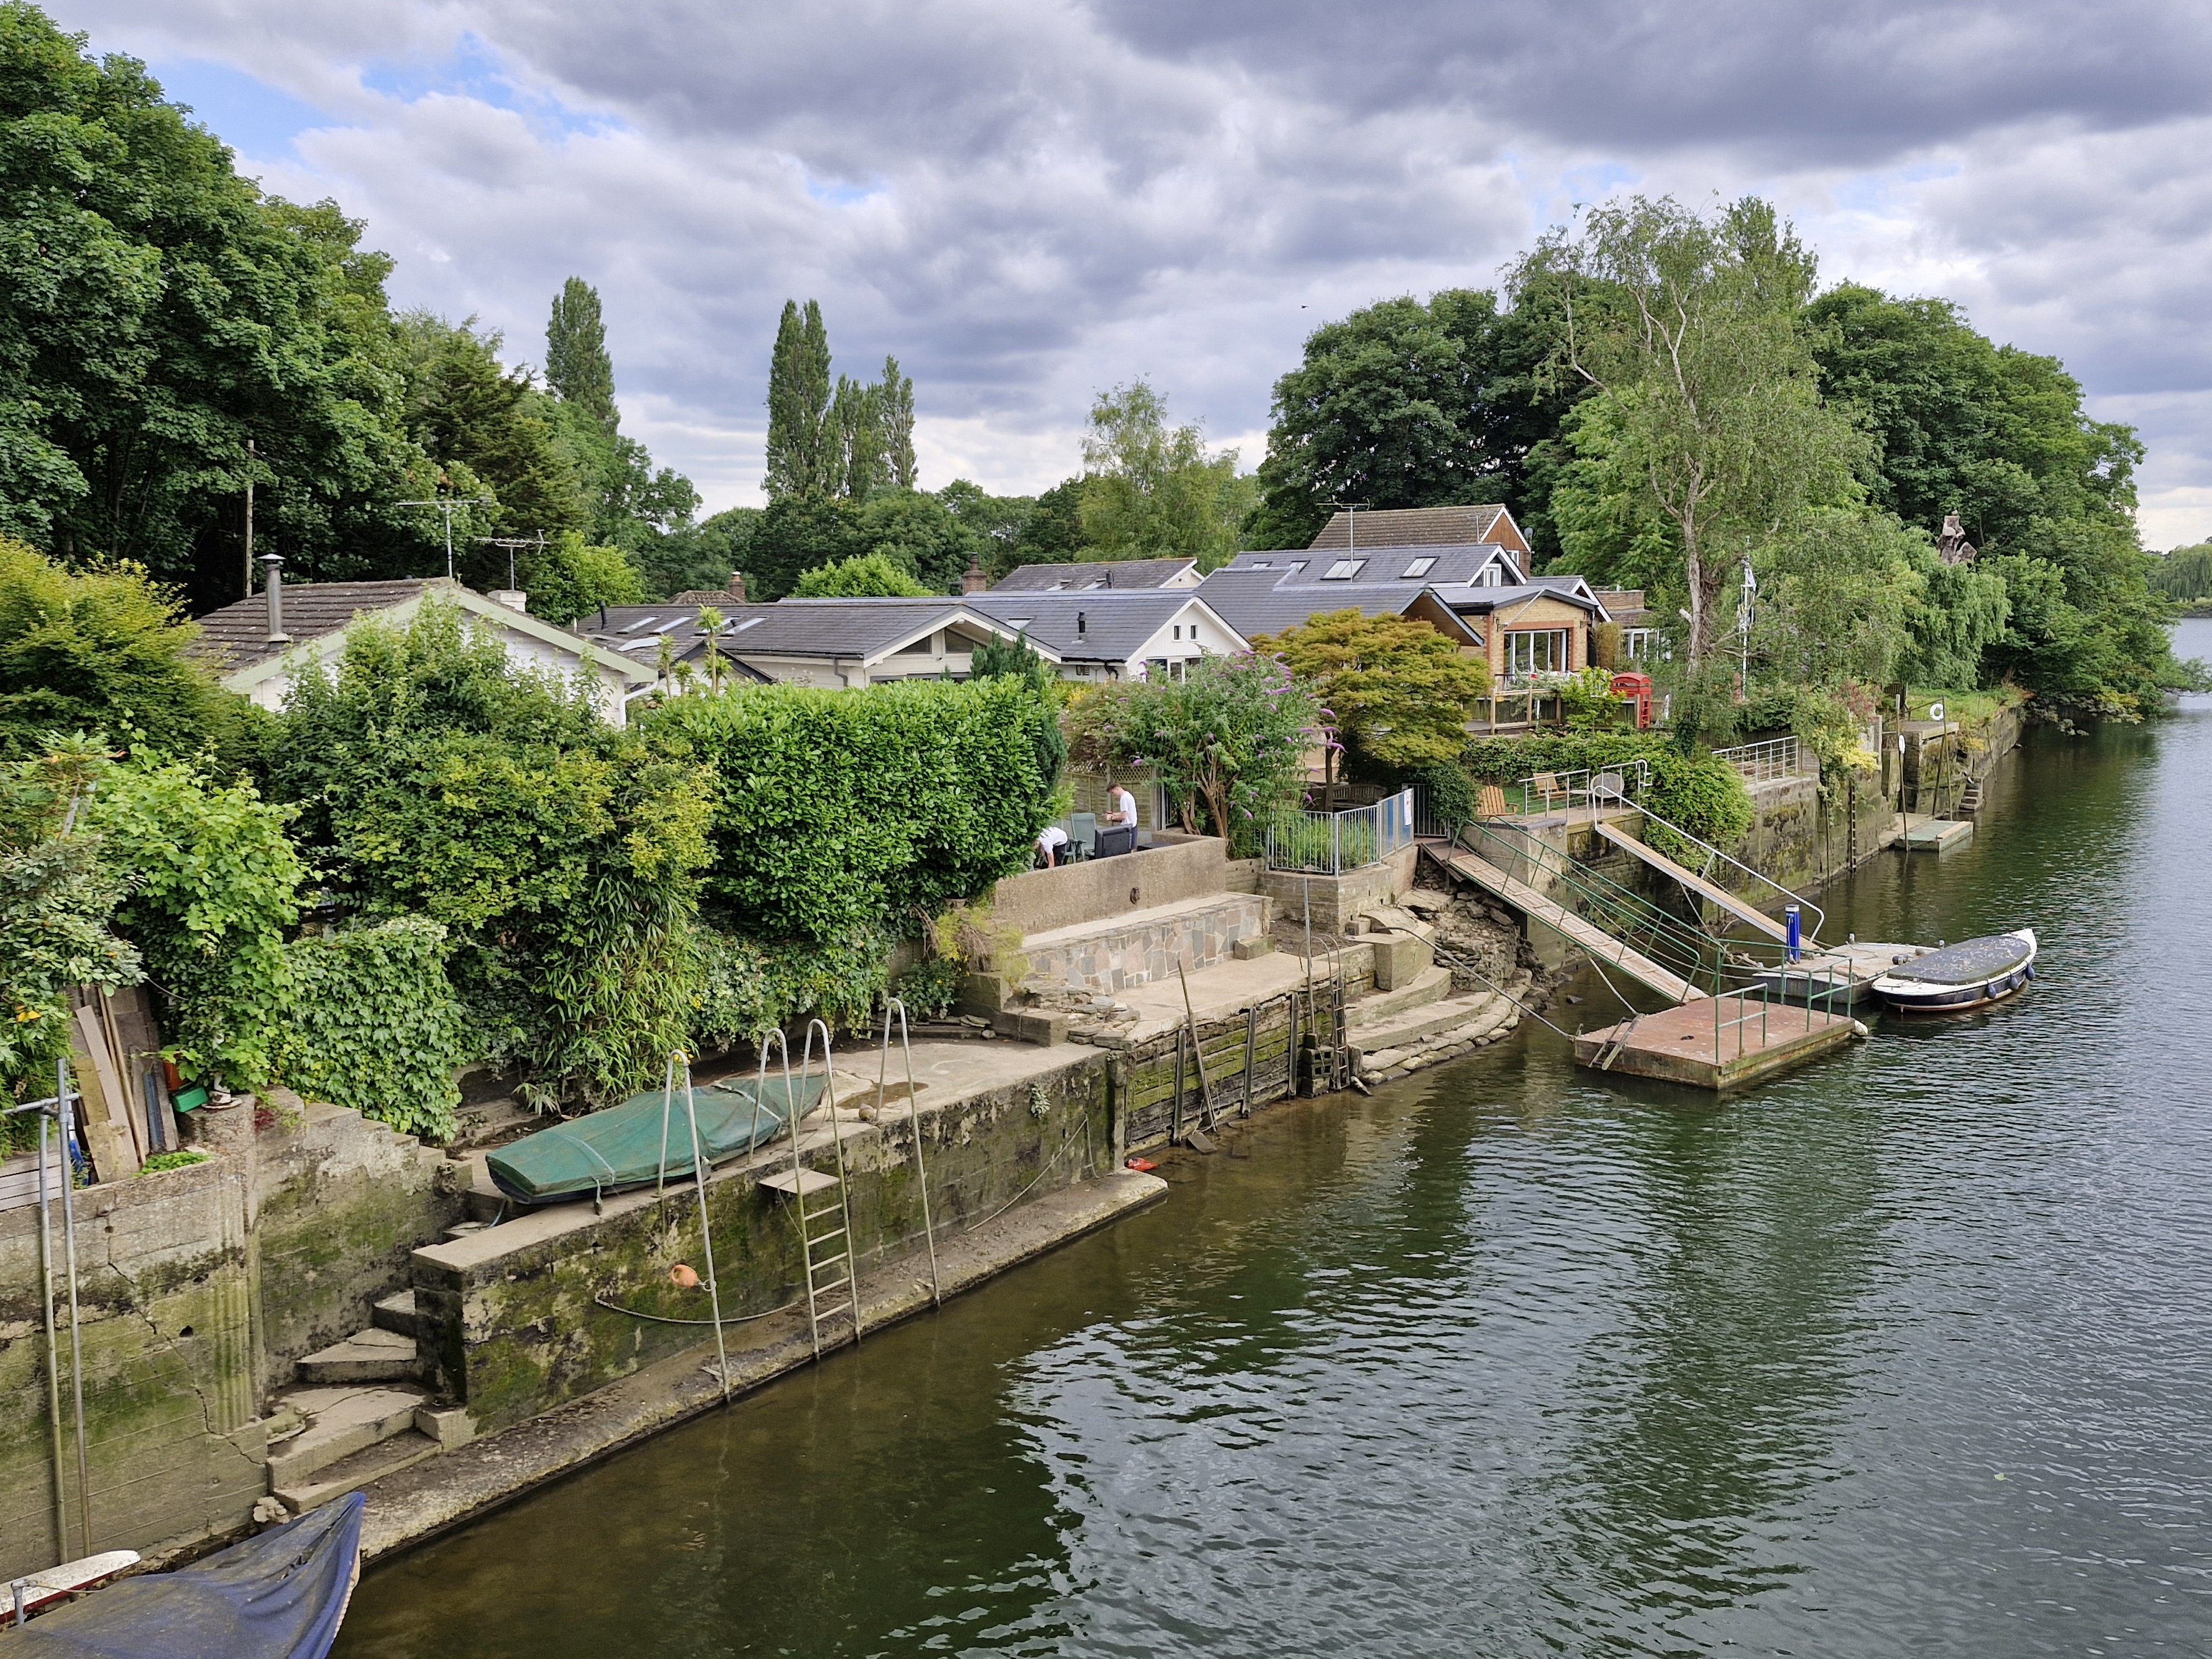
1109, 959
198, 1287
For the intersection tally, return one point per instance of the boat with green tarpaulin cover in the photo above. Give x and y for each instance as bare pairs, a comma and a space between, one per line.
647, 1139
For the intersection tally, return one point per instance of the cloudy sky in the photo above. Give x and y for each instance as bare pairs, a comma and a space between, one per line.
1030, 200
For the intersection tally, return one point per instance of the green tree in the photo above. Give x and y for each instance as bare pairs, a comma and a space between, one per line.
1228, 740
103, 652
1154, 491
1400, 694
896, 408
857, 413
800, 437
57, 900
871, 575
491, 430
577, 366
2184, 575
996, 521
1051, 531
158, 314
1407, 404
1689, 328
566, 579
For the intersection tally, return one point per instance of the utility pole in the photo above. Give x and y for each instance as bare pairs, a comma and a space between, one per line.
249, 518
448, 505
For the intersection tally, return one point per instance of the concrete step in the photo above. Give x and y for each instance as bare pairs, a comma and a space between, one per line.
340, 1422
1431, 985
402, 1451
397, 1313
1420, 1024
373, 1355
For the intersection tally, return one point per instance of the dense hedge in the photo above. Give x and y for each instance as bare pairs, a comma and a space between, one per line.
839, 811
751, 989
1701, 795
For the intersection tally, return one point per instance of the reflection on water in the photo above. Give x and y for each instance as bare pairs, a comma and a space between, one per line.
1909, 1352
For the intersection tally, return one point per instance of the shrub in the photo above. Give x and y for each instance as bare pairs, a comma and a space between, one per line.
371, 1022
102, 651
216, 884
1703, 796
865, 575
929, 989
437, 778
834, 812
750, 988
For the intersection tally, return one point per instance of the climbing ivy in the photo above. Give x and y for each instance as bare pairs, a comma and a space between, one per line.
371, 1022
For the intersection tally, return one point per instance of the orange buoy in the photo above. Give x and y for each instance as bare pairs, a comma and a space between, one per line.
683, 1276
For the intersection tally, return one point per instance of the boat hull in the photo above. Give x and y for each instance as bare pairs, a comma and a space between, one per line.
1906, 995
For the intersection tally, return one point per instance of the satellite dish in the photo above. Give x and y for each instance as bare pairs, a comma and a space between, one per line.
1934, 711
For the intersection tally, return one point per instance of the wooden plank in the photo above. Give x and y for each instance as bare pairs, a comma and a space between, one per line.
806, 1182
104, 1116
1696, 882
1562, 920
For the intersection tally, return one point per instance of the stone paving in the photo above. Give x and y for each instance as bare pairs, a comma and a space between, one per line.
1145, 946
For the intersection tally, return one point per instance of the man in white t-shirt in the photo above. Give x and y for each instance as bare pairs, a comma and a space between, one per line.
1121, 808
1050, 840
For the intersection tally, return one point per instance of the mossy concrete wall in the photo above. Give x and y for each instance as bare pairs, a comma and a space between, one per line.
197, 1288
551, 1306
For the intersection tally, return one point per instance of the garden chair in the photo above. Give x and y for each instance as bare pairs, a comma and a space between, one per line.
1112, 843
1491, 802
1082, 833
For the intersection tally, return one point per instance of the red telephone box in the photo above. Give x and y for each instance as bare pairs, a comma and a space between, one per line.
1636, 689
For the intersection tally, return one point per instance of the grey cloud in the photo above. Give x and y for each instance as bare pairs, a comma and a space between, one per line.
1032, 199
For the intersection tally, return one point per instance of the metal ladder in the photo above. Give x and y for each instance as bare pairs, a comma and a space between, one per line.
825, 1251
893, 1004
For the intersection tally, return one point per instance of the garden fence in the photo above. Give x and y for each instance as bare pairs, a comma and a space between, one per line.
1330, 843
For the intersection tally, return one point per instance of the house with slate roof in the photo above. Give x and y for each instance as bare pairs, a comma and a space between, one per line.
832, 643
1520, 625
258, 647
1101, 575
1121, 634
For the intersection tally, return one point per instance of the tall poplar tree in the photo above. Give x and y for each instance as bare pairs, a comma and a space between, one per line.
857, 413
801, 458
576, 363
897, 407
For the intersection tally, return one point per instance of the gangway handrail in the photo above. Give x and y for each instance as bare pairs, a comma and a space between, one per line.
1627, 910
1820, 916
1651, 931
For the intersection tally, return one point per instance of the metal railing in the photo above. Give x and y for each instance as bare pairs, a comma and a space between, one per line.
1329, 843
1585, 786
1762, 763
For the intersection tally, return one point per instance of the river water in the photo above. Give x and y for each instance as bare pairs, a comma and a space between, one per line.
1908, 1352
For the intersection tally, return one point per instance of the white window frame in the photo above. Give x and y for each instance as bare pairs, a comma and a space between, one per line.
1344, 570
1522, 651
1422, 565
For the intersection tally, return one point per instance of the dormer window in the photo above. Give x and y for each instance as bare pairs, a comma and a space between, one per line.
1420, 566
1344, 570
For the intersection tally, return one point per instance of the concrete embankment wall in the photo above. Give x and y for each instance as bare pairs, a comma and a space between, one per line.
530, 1313
197, 1288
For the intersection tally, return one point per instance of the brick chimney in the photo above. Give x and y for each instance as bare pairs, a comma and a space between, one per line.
272, 567
737, 586
973, 580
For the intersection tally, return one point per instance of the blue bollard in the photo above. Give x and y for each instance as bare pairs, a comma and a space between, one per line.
1797, 922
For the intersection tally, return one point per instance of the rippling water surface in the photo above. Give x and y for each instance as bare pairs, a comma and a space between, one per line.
1908, 1352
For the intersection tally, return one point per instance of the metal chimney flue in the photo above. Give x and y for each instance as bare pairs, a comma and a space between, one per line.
272, 572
